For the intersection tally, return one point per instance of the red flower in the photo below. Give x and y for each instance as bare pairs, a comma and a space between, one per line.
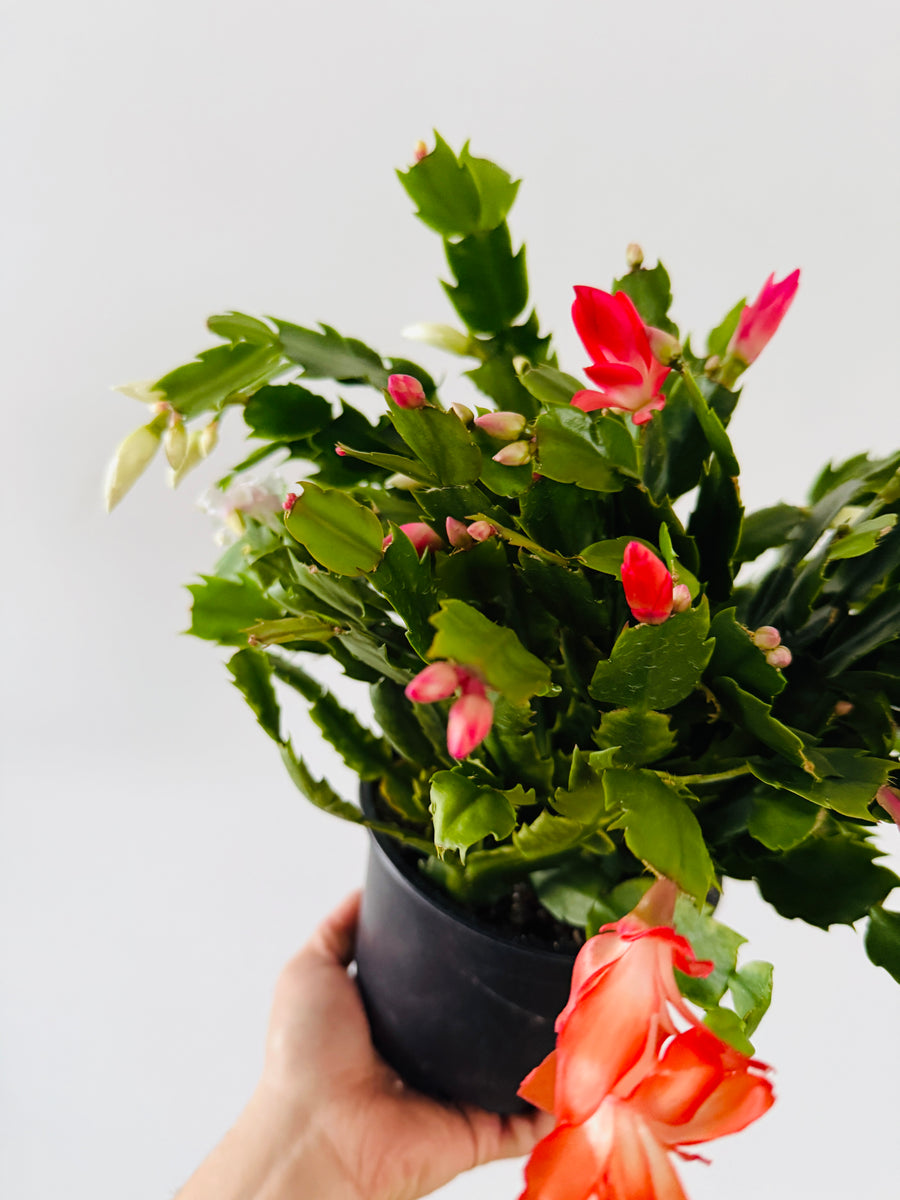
627, 373
647, 584
759, 320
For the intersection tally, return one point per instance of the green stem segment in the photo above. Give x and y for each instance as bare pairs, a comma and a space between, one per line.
713, 429
702, 780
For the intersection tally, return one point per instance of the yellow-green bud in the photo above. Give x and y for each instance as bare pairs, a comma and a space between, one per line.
131, 459
175, 441
444, 337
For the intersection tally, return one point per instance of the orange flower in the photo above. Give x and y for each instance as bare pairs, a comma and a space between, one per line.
623, 991
627, 1086
698, 1090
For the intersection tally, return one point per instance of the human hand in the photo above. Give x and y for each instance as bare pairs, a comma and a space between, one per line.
329, 1119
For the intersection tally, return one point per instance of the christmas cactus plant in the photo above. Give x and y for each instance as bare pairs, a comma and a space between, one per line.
589, 668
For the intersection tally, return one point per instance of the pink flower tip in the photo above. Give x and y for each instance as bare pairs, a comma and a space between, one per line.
681, 597
779, 657
406, 391
516, 454
435, 682
457, 533
889, 799
482, 530
766, 637
648, 585
340, 451
422, 536
289, 501
759, 321
468, 724
420, 151
505, 426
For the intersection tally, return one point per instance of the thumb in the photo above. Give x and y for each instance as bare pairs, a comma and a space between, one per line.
333, 941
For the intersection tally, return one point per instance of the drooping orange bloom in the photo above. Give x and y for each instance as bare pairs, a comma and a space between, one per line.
627, 1087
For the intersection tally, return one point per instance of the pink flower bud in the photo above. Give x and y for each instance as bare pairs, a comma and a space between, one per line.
482, 530
647, 584
457, 534
842, 708
681, 597
340, 451
420, 151
506, 426
422, 537
779, 657
759, 321
889, 799
766, 637
516, 454
470, 683
435, 682
406, 391
289, 501
468, 724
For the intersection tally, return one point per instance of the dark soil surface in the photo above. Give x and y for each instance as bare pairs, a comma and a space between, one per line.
518, 917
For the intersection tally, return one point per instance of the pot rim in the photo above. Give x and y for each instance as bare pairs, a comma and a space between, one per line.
431, 895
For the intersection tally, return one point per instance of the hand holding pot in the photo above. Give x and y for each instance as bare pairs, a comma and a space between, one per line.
329, 1118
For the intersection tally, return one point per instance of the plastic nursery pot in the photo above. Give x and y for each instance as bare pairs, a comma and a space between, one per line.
459, 1012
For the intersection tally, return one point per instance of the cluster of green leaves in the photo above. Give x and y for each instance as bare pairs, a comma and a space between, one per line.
616, 747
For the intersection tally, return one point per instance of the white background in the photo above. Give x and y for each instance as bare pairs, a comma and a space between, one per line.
163, 161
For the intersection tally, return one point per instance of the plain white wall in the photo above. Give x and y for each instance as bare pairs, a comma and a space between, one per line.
163, 161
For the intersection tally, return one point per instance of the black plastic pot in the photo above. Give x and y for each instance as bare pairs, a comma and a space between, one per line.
459, 1012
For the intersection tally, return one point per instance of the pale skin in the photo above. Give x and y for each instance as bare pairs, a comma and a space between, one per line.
329, 1120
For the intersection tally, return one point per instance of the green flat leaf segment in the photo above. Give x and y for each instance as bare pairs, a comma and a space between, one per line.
781, 820
466, 636
328, 355
577, 447
883, 940
223, 609
492, 282
755, 716
660, 828
640, 737
218, 374
550, 386
458, 196
655, 666
846, 781
339, 533
440, 440
465, 813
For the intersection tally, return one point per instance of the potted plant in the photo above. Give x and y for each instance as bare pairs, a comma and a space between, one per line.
599, 687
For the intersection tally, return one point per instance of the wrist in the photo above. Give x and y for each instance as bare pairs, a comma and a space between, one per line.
271, 1153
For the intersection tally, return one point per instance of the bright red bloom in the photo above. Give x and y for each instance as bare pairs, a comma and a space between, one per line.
627, 373
759, 320
647, 584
